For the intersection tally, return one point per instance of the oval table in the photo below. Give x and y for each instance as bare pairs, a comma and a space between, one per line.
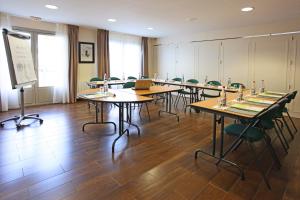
118, 98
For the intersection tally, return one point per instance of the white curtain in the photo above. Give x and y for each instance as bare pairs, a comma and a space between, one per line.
125, 55
9, 97
61, 87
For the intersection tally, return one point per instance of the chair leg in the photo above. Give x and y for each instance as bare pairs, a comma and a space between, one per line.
272, 151
281, 133
256, 161
148, 111
296, 130
238, 145
288, 128
280, 139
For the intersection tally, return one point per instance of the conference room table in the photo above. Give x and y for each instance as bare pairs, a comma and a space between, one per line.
117, 97
248, 109
196, 86
154, 90
97, 84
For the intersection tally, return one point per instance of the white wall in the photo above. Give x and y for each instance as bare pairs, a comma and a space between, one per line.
86, 71
275, 59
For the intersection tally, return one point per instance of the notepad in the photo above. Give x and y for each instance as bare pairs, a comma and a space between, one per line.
276, 93
260, 101
98, 95
269, 95
247, 107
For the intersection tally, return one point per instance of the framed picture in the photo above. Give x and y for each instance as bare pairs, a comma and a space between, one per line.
86, 52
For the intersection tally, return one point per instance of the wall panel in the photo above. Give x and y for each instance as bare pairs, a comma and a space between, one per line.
271, 58
236, 61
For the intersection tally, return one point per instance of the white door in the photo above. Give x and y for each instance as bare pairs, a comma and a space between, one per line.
42, 47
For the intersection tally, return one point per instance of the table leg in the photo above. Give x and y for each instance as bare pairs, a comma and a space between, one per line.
101, 118
121, 126
128, 118
169, 106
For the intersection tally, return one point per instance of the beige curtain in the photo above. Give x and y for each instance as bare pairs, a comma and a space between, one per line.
103, 52
73, 61
145, 70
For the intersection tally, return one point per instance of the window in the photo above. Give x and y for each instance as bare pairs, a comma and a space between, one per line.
125, 55
46, 60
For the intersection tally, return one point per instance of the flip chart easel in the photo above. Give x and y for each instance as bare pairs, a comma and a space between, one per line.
21, 70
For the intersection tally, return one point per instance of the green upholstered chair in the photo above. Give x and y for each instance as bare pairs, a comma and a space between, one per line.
95, 79
290, 98
131, 78
184, 93
204, 95
251, 133
270, 122
114, 78
177, 79
237, 85
93, 86
140, 105
129, 85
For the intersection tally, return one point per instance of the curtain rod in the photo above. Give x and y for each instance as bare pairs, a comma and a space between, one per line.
249, 36
242, 37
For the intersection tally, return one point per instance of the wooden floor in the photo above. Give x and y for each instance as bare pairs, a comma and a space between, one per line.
58, 161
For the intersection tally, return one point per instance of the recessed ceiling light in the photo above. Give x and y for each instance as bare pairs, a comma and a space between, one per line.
112, 20
53, 7
247, 9
150, 28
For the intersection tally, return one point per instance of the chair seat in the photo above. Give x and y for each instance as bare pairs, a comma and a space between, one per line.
265, 123
209, 95
252, 135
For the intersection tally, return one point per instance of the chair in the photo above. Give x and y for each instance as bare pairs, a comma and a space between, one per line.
177, 79
237, 85
280, 118
131, 78
92, 87
95, 79
183, 93
205, 95
144, 77
291, 97
131, 85
114, 79
252, 133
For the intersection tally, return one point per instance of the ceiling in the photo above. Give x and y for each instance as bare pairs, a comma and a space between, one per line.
167, 17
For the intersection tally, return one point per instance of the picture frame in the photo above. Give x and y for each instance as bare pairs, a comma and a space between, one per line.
86, 52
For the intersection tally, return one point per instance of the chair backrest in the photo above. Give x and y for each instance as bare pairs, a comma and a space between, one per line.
194, 81
131, 78
95, 79
177, 79
270, 113
295, 94
129, 85
145, 77
114, 78
237, 85
214, 83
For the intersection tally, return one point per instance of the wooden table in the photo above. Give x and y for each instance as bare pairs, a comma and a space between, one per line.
101, 83
158, 90
196, 86
211, 106
120, 99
